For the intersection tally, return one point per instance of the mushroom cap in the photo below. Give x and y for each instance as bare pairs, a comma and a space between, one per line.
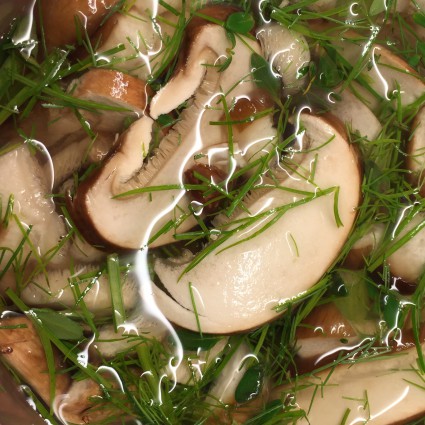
59, 19
249, 277
29, 187
112, 88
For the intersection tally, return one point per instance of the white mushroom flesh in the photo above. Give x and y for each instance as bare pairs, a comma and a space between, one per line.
126, 170
408, 262
235, 283
387, 74
355, 114
29, 187
378, 392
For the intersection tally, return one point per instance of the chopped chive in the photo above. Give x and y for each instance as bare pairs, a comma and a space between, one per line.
195, 309
114, 277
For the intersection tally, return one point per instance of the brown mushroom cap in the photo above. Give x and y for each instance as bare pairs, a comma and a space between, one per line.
325, 321
21, 349
60, 17
112, 88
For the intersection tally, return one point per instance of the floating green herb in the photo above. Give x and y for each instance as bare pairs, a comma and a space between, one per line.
419, 18
60, 325
114, 276
377, 7
193, 341
250, 385
240, 22
263, 74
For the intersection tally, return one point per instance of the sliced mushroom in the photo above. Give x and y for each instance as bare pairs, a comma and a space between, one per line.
287, 52
117, 222
381, 392
365, 96
77, 151
138, 329
34, 211
73, 406
364, 246
322, 331
84, 253
416, 151
84, 403
325, 321
207, 45
86, 285
255, 138
258, 139
100, 216
387, 73
112, 88
143, 36
22, 350
250, 275
59, 124
223, 389
62, 19
355, 114
408, 261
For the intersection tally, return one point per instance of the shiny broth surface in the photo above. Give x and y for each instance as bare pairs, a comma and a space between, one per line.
212, 212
